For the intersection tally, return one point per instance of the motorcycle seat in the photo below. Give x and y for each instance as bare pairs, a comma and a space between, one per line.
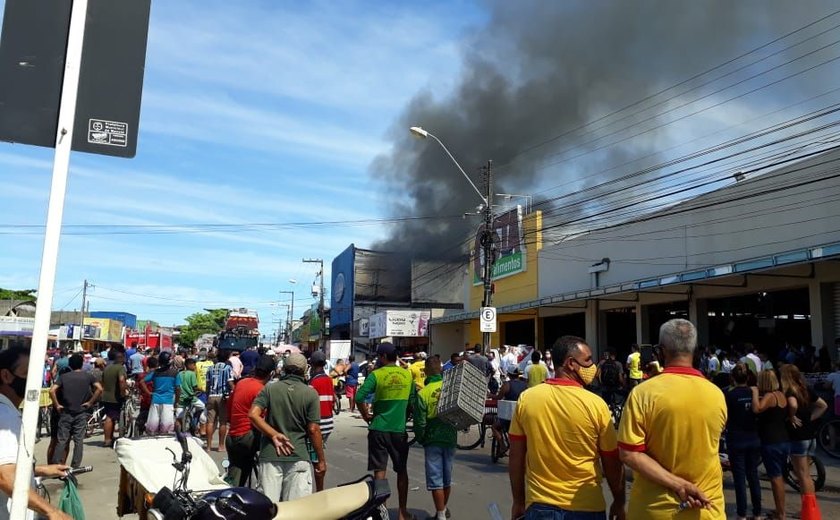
329, 504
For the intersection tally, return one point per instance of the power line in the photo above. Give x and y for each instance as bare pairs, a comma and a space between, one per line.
677, 85
147, 229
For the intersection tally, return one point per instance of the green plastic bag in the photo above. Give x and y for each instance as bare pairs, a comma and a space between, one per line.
70, 502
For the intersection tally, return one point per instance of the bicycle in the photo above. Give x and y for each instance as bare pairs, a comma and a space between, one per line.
475, 435
339, 391
497, 449
42, 490
828, 437
94, 422
817, 472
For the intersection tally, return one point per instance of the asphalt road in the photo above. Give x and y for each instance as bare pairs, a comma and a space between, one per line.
478, 485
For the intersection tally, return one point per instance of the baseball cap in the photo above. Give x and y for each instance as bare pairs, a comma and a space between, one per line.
385, 348
317, 357
296, 360
421, 355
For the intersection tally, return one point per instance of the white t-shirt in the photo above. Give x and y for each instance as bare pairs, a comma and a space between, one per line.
714, 364
9, 432
834, 379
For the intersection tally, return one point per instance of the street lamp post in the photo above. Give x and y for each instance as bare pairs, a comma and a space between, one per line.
321, 315
486, 238
291, 316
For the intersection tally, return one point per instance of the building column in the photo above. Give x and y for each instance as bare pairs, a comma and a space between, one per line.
594, 326
698, 314
820, 304
642, 324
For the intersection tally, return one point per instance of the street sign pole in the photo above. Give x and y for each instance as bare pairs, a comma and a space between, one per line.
49, 258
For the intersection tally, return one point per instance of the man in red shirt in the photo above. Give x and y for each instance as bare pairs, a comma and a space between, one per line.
242, 443
323, 384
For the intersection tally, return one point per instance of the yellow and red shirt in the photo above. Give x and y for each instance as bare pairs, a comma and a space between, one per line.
567, 430
677, 418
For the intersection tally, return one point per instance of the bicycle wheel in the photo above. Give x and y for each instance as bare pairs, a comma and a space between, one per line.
470, 437
494, 450
816, 472
337, 404
828, 437
127, 422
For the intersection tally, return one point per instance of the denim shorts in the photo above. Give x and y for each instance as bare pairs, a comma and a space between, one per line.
439, 467
775, 458
547, 512
803, 448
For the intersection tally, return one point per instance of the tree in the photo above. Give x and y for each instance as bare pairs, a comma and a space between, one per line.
12, 294
211, 321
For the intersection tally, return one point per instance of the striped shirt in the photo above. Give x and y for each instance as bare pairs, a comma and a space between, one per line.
322, 383
217, 380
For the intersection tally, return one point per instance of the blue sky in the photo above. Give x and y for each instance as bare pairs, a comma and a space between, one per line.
261, 111
253, 111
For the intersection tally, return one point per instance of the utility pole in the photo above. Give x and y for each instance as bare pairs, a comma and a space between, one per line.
323, 333
488, 244
82, 316
291, 317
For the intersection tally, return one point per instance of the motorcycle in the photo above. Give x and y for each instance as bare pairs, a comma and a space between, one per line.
363, 499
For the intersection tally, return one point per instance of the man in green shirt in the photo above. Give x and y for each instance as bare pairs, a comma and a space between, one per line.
186, 384
438, 438
392, 388
115, 390
292, 420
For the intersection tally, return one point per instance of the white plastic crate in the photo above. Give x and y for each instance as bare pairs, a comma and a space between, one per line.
462, 396
507, 409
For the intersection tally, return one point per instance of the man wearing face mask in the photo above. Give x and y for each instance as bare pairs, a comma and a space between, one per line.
560, 438
13, 366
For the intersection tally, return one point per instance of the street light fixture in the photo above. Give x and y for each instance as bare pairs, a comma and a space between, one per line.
423, 134
486, 209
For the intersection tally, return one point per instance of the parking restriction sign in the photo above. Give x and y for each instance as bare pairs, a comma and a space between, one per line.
488, 319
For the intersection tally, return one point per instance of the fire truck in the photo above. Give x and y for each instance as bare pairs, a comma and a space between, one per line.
242, 330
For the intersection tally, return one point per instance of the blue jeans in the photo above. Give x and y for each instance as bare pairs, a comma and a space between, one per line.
744, 461
546, 512
438, 467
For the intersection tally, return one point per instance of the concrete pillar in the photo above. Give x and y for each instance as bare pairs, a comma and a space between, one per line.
594, 326
822, 322
698, 314
642, 324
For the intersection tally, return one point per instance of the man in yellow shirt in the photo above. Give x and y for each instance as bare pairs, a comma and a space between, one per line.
418, 370
536, 372
201, 367
560, 438
669, 436
634, 367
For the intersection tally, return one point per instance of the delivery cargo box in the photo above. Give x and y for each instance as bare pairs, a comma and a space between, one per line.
462, 396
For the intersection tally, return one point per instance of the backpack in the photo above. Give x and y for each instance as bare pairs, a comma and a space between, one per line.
610, 374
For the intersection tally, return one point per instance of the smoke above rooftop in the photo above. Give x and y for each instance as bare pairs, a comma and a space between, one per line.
540, 69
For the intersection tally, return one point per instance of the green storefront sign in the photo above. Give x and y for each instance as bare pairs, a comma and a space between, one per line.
510, 246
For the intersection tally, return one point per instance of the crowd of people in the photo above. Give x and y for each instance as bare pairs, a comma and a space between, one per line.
681, 404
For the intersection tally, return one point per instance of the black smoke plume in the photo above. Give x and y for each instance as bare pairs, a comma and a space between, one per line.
539, 69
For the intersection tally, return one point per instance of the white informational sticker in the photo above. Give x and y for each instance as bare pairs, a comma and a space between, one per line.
111, 133
488, 319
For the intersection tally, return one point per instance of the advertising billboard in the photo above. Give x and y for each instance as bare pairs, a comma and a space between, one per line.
343, 287
399, 324
510, 247
103, 329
